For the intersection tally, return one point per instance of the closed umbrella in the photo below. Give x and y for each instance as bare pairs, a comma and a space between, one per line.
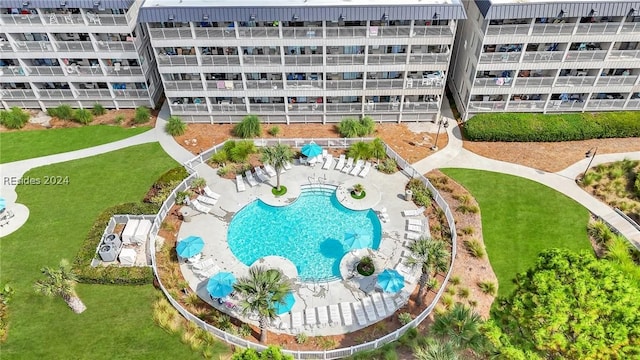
221, 284
3, 203
190, 246
390, 281
311, 150
358, 239
286, 305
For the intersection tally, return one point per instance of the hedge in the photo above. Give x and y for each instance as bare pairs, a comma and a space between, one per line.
552, 127
111, 274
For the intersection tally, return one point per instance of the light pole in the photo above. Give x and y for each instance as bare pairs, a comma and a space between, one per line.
444, 123
592, 156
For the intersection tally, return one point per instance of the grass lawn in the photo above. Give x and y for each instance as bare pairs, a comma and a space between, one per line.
520, 218
118, 323
22, 145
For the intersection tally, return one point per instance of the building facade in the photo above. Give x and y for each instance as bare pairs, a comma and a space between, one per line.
547, 56
76, 52
303, 60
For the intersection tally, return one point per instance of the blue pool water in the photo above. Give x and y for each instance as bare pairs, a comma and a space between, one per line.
310, 232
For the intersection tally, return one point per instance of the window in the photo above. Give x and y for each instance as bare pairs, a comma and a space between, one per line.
466, 68
472, 74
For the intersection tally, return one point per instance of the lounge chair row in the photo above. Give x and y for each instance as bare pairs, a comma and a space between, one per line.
258, 176
205, 269
210, 198
359, 168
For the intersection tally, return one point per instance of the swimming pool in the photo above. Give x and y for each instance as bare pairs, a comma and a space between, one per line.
310, 232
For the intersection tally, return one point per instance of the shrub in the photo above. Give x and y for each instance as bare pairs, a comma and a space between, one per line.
98, 109
224, 170
421, 195
388, 166
405, 318
636, 185
63, 112
301, 338
175, 126
143, 115
15, 118
82, 116
468, 230
350, 127
244, 330
367, 126
447, 300
359, 150
219, 158
432, 283
488, 287
551, 127
464, 292
249, 127
274, 131
475, 248
468, 209
178, 173
241, 151
455, 280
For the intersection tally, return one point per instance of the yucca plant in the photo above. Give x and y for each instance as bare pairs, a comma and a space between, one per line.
175, 126
488, 287
98, 109
475, 248
249, 127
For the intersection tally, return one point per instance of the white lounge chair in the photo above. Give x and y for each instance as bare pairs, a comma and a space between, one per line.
368, 308
402, 298
310, 318
415, 212
340, 163
359, 311
323, 316
203, 209
203, 264
334, 315
413, 236
206, 200
207, 273
210, 193
270, 170
296, 322
345, 310
240, 183
328, 162
250, 179
405, 271
287, 165
388, 301
415, 228
260, 174
416, 222
348, 166
357, 168
384, 217
379, 304
325, 153
365, 170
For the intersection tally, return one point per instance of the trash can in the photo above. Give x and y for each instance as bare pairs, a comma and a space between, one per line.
186, 214
408, 195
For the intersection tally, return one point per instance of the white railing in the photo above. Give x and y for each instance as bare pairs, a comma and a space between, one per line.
38, 46
553, 29
598, 28
608, 104
391, 31
427, 107
305, 107
124, 70
228, 108
586, 55
266, 107
424, 31
264, 84
178, 60
525, 105
487, 105
428, 58
533, 81
624, 55
62, 19
301, 32
380, 59
83, 70
388, 83
304, 84
224, 85
488, 58
522, 29
55, 93
116, 46
214, 33
261, 60
16, 94
344, 84
560, 105
102, 93
344, 60
75, 46
106, 20
347, 31
542, 56
575, 80
382, 107
132, 93
617, 80
630, 27
315, 60
22, 19
44, 70
633, 104
170, 33
183, 85
491, 82
260, 32
223, 60
349, 107
189, 107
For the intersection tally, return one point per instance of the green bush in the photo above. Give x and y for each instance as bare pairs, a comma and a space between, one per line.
142, 115
636, 185
110, 274
367, 126
249, 127
388, 166
274, 131
488, 287
178, 173
405, 318
421, 195
82, 116
63, 112
219, 158
350, 127
119, 119
175, 126
475, 248
98, 109
15, 118
551, 127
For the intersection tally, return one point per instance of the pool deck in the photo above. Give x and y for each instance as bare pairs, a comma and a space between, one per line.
213, 228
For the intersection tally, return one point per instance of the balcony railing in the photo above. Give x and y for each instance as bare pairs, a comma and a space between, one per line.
347, 31
16, 94
315, 60
420, 106
223, 60
630, 27
266, 107
486, 105
264, 84
260, 32
180, 60
588, 55
189, 108
183, 85
423, 31
542, 56
215, 33
63, 19
616, 80
116, 46
633, 104
85, 46
344, 84
385, 84
345, 60
170, 33
261, 60
552, 29
575, 80
526, 105
106, 20
624, 55
226, 85
598, 28
29, 19
390, 31
301, 32
559, 105
124, 70
491, 82
425, 82
12, 70
44, 70
83, 70
132, 93
93, 93
606, 104
38, 46
304, 84
508, 57
375, 59
429, 58
382, 106
344, 107
534, 81
521, 29
234, 108
55, 93
306, 107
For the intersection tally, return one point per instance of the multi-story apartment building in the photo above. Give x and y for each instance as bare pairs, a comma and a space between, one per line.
547, 56
300, 61
76, 52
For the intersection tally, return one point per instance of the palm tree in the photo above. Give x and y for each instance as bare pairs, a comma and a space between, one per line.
199, 183
378, 150
260, 291
277, 155
61, 282
359, 150
436, 350
460, 327
431, 255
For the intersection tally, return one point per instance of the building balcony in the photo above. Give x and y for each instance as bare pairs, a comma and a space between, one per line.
542, 56
487, 106
344, 60
343, 107
131, 93
605, 104
492, 82
76, 70
306, 107
93, 93
222, 60
84, 46
306, 60
264, 84
588, 55
184, 85
390, 31
415, 106
437, 31
181, 60
116, 46
559, 105
20, 19
301, 32
17, 94
598, 28
347, 31
375, 59
226, 85
505, 57
62, 19
170, 33
124, 70
633, 27
522, 29
266, 107
36, 46
376, 107
55, 93
260, 32
534, 81
553, 29
44, 70
106, 20
629, 55
575, 81
304, 84
524, 105
429, 58
633, 104
228, 108
215, 33
257, 60
616, 80
344, 84
386, 84
202, 108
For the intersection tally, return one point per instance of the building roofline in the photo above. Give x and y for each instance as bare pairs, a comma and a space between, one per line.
550, 9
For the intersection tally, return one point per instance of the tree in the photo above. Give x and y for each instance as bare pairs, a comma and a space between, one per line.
61, 282
431, 255
460, 327
198, 184
436, 350
378, 150
260, 291
277, 155
573, 306
359, 150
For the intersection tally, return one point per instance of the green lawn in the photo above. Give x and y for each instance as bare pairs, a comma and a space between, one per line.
22, 145
520, 218
118, 323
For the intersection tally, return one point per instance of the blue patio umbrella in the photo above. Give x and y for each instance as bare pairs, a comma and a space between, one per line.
390, 281
311, 150
358, 239
221, 284
286, 305
3, 203
190, 246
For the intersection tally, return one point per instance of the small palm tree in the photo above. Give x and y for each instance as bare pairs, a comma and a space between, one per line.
260, 291
277, 155
61, 282
460, 327
436, 350
358, 189
198, 184
431, 255
378, 150
359, 150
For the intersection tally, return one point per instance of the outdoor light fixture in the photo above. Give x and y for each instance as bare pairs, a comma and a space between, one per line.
561, 13
205, 17
593, 12
171, 18
632, 12
385, 17
295, 17
96, 4
25, 3
252, 18
340, 18
436, 16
